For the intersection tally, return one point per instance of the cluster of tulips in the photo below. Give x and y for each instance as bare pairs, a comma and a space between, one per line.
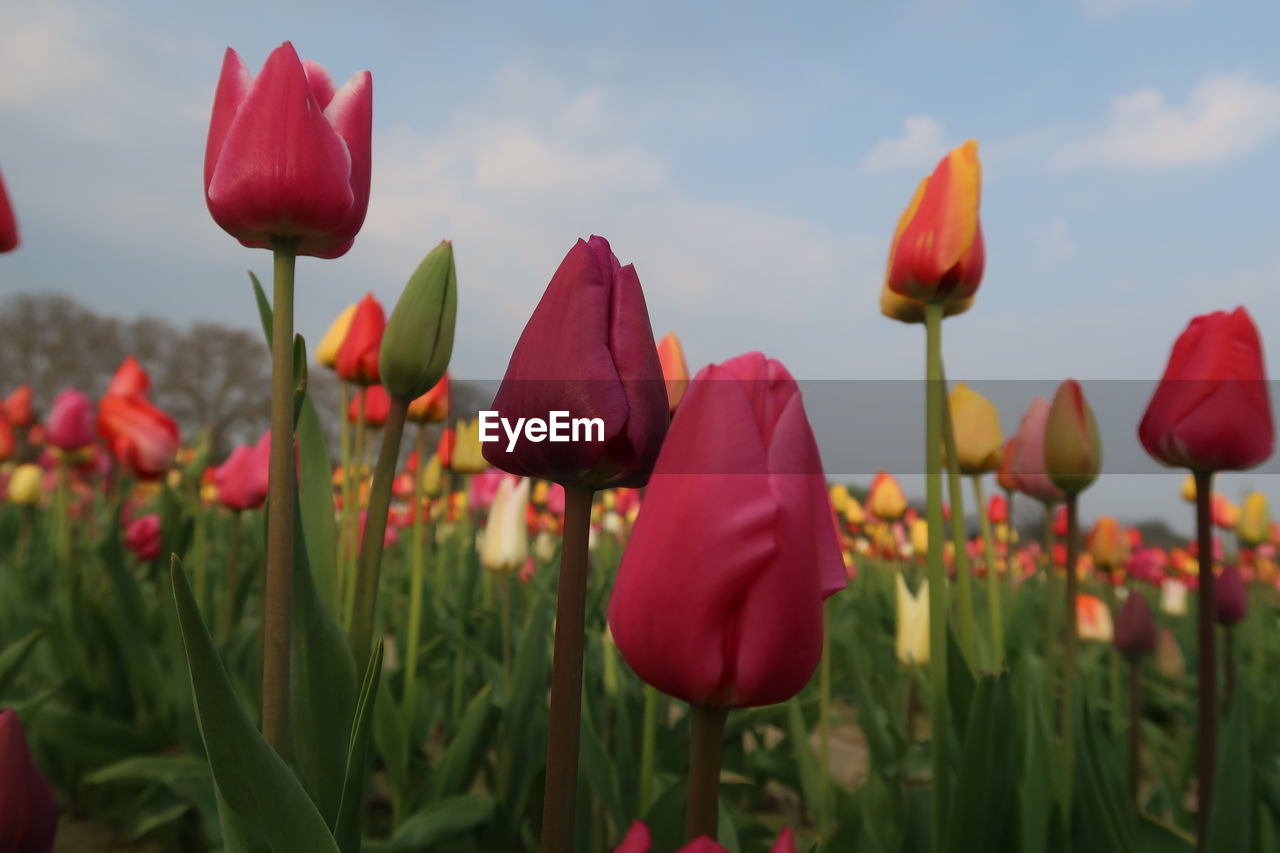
699, 527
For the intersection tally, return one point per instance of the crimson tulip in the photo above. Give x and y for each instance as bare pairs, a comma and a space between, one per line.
358, 356
1135, 634
28, 811
720, 602
376, 403
71, 421
588, 349
1212, 410
142, 537
140, 436
1230, 597
288, 156
17, 407
9, 239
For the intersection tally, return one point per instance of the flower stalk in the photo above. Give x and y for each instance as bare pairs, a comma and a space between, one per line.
939, 716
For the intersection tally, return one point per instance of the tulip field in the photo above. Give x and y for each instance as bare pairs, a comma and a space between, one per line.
620, 606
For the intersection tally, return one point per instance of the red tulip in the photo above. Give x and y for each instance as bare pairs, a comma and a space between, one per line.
287, 155
17, 407
358, 356
1004, 476
71, 421
130, 378
588, 349
1028, 470
142, 537
718, 601
444, 449
997, 509
8, 222
432, 406
7, 442
1211, 410
1060, 521
140, 436
28, 811
376, 403
242, 478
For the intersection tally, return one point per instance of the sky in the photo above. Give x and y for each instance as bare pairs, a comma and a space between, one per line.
751, 159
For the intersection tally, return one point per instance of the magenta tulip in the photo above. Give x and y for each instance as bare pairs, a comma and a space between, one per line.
638, 840
142, 537
1029, 475
288, 156
1230, 597
28, 811
718, 600
72, 421
587, 350
1211, 410
1135, 634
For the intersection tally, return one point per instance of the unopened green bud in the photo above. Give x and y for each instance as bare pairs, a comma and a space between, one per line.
418, 340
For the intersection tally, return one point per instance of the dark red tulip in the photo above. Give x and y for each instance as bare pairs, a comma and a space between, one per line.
1135, 635
28, 811
358, 355
588, 350
8, 222
1212, 410
1230, 596
718, 600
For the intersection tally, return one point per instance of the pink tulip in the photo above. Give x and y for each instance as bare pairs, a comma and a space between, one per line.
28, 811
287, 155
1029, 474
638, 840
718, 600
71, 421
242, 478
142, 537
588, 349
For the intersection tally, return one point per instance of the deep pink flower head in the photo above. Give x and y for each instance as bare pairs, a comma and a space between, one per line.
288, 155
28, 811
718, 600
72, 421
1029, 475
1211, 410
588, 349
484, 488
142, 537
8, 222
242, 478
1147, 564
638, 840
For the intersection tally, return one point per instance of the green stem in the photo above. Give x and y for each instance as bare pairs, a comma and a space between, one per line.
648, 743
1257, 616
353, 519
232, 580
824, 727
561, 790
1010, 534
26, 523
706, 747
278, 592
939, 716
1050, 615
1135, 730
1071, 641
365, 600
416, 570
345, 546
504, 593
200, 548
964, 579
993, 581
1113, 659
1207, 735
62, 516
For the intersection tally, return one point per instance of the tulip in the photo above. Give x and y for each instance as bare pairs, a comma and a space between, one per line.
885, 499
1028, 467
1170, 662
977, 427
746, 627
998, 510
853, 513
331, 343
140, 436
288, 156
1173, 598
8, 444
418, 340
587, 349
1254, 526
1147, 564
1108, 544
1135, 632
1072, 449
432, 406
638, 840
912, 640
130, 379
506, 539
918, 535
1230, 597
28, 811
444, 447
71, 421
9, 239
1188, 489
26, 485
1223, 512
467, 456
358, 356
840, 497
142, 537
373, 404
17, 407
904, 309
674, 369
938, 253
242, 478
1093, 619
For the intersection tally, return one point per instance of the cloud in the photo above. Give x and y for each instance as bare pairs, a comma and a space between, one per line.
1100, 9
920, 146
1224, 116
1053, 242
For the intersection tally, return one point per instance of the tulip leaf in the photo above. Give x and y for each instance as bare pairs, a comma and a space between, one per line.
960, 683
1231, 819
315, 492
806, 762
443, 820
391, 738
264, 306
1102, 818
529, 681
1157, 837
347, 828
981, 816
457, 767
256, 786
1037, 802
14, 655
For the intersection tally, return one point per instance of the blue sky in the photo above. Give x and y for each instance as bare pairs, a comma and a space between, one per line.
751, 159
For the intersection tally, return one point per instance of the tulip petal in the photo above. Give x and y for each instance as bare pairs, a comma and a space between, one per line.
637, 364
320, 82
351, 114
233, 86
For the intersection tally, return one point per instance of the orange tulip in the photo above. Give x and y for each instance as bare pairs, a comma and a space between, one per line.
674, 369
1108, 543
432, 406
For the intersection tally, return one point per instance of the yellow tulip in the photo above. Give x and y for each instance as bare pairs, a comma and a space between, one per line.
1189, 489
26, 485
467, 458
540, 492
432, 476
979, 440
912, 641
506, 536
853, 514
886, 499
920, 537
1254, 526
840, 497
327, 352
